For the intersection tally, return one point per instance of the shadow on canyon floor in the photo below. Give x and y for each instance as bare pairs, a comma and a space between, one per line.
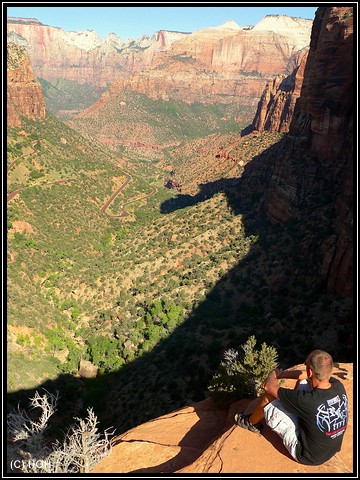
271, 293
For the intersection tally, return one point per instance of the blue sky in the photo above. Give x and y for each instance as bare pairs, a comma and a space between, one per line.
133, 21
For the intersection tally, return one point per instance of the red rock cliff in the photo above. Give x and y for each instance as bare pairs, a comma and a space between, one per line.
277, 103
312, 178
209, 65
83, 56
221, 64
325, 108
24, 93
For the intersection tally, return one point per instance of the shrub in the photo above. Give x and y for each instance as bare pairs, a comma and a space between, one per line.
242, 376
28, 449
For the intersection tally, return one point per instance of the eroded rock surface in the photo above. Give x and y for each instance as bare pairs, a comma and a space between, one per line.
204, 439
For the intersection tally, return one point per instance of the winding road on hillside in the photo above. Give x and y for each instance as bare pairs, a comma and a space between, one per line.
22, 156
116, 193
125, 213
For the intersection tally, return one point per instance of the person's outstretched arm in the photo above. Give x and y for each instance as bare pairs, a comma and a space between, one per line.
271, 384
291, 374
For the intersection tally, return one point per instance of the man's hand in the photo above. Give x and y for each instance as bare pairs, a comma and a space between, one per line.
274, 374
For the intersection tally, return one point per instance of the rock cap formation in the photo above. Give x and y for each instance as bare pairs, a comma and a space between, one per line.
229, 24
85, 40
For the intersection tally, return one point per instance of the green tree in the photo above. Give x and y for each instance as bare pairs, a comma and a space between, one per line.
242, 375
56, 340
105, 352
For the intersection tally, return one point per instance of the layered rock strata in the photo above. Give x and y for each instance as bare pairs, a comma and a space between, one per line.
83, 56
24, 93
210, 65
219, 65
325, 109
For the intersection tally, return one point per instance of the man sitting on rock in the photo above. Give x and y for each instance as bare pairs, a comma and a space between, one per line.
311, 419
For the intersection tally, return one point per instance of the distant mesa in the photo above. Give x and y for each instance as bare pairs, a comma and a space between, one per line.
283, 23
28, 21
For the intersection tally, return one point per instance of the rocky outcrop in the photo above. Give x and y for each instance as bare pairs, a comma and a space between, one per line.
24, 93
202, 439
311, 178
276, 106
295, 29
87, 369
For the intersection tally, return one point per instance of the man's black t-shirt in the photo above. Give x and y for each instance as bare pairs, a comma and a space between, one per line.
323, 417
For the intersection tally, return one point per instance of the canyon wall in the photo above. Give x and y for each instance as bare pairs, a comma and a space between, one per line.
312, 175
325, 108
277, 103
217, 64
24, 93
225, 64
83, 56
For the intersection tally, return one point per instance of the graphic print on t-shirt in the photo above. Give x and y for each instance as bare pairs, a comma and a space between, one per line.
332, 416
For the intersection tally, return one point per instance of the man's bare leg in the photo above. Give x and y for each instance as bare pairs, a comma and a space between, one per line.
258, 414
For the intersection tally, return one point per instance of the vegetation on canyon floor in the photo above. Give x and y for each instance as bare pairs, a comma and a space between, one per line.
155, 298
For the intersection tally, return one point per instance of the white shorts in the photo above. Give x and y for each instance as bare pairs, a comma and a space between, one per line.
284, 423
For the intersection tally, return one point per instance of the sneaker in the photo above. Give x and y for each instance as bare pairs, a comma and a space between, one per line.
243, 421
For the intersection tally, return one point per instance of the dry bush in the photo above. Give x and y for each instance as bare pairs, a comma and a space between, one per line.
82, 448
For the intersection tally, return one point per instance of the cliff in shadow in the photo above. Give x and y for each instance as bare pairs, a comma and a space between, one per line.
312, 177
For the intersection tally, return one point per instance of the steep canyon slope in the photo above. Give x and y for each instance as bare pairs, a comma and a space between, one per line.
277, 103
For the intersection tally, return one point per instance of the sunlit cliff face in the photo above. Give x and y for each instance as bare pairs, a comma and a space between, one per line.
24, 92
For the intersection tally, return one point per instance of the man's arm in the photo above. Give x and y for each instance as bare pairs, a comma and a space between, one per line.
291, 374
271, 384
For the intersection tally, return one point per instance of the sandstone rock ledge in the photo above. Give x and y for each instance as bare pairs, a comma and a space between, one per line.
203, 439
